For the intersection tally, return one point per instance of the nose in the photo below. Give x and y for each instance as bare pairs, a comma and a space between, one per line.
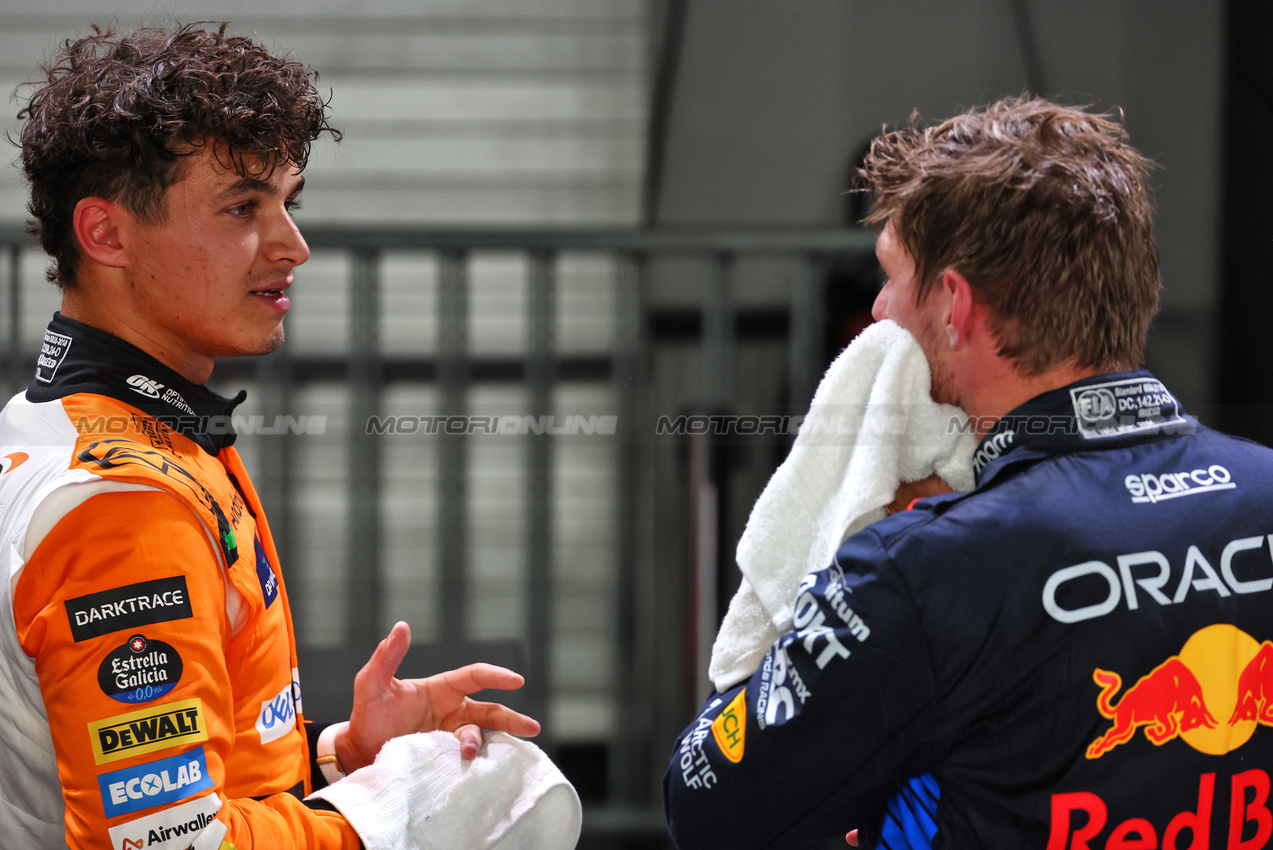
285, 243
879, 310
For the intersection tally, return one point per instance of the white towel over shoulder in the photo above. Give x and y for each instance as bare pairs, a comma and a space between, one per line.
872, 425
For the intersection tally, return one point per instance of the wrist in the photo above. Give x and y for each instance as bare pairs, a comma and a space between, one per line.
350, 755
330, 762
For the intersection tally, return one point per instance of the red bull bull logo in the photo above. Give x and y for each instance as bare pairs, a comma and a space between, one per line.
1212, 695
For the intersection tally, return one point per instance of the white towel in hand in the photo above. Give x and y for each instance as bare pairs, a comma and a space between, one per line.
421, 795
872, 425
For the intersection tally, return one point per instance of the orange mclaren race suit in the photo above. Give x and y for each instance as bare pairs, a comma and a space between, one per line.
149, 698
1077, 654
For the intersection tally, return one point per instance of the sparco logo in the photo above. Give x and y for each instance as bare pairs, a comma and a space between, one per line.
991, 448
145, 386
1096, 405
1147, 487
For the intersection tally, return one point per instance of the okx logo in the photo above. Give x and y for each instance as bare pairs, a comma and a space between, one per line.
277, 717
1212, 695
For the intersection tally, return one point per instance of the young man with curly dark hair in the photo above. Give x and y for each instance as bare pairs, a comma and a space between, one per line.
151, 696
1076, 653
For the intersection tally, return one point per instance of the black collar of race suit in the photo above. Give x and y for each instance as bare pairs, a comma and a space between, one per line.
77, 358
1101, 411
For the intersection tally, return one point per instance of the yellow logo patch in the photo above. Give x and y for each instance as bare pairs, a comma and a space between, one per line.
146, 731
730, 726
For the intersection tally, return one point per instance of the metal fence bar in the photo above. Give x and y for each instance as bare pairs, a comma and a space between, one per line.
625, 766
663, 241
453, 381
540, 376
276, 384
805, 333
363, 560
718, 333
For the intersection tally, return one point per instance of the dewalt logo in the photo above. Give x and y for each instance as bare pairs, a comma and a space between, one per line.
730, 727
146, 731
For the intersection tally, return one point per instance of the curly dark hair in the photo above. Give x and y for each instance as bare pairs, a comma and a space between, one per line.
1046, 211
115, 114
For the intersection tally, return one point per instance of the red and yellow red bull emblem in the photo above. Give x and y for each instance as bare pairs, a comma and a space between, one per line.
1212, 695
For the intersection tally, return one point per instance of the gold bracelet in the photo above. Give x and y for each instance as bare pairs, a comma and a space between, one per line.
334, 761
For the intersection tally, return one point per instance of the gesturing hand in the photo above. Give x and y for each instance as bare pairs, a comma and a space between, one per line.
386, 707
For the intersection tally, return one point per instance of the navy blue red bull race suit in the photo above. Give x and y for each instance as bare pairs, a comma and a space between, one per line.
1078, 653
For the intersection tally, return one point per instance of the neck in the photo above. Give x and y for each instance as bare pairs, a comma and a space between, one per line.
1005, 389
93, 306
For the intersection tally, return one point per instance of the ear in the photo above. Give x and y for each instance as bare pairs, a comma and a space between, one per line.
98, 224
959, 317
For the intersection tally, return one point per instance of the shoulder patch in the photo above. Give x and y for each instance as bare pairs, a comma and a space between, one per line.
730, 727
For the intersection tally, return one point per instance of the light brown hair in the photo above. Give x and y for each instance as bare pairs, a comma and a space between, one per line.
1045, 210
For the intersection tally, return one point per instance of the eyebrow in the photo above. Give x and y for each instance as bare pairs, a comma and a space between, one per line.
252, 184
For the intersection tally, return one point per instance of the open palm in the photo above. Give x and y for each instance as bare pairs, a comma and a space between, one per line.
386, 707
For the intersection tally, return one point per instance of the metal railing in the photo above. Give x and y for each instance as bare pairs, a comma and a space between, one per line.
641, 744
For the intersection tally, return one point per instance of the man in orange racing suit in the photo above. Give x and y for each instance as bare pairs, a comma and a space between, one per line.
150, 694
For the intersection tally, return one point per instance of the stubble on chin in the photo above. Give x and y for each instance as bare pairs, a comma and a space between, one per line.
942, 383
268, 345
276, 340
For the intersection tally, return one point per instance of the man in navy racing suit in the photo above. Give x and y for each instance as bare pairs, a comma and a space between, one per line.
1076, 654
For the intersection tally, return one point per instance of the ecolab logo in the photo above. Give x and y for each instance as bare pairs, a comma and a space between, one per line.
277, 717
1147, 487
154, 783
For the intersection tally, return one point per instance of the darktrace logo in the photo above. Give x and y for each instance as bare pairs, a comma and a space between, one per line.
129, 607
139, 671
1212, 695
